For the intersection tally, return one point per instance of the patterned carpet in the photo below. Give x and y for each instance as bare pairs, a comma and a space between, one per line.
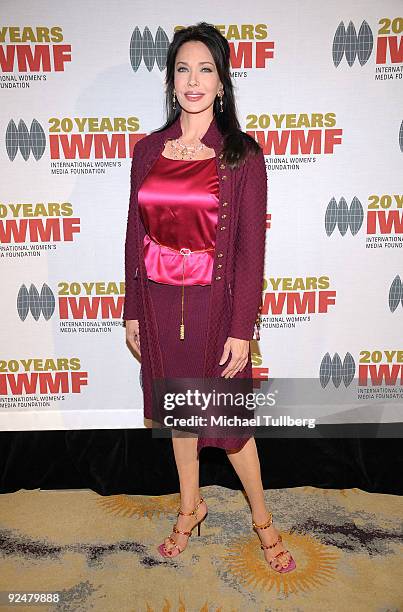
100, 553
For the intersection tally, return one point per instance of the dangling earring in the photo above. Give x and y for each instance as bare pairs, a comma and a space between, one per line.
221, 97
173, 101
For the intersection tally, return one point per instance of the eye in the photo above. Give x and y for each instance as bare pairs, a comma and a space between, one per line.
184, 68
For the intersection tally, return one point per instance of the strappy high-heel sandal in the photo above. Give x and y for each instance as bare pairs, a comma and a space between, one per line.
291, 563
161, 548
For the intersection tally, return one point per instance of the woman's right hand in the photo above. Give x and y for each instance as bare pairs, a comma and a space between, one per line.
133, 334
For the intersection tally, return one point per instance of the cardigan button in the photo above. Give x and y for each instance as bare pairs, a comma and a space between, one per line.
223, 216
218, 277
224, 177
225, 203
221, 155
222, 166
222, 227
219, 266
220, 255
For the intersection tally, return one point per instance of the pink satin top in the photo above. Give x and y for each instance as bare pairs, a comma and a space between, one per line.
178, 205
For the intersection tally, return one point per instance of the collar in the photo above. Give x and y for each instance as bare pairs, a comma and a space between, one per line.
212, 138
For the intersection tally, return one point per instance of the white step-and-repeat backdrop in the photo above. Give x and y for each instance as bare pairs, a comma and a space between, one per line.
319, 85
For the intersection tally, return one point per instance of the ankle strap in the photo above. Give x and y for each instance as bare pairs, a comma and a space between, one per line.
194, 509
264, 525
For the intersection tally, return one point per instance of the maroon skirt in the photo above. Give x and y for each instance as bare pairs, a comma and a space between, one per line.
185, 358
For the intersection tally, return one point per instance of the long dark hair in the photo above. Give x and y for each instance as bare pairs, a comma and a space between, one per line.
237, 144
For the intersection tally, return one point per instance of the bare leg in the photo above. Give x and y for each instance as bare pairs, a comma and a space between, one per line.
187, 463
247, 465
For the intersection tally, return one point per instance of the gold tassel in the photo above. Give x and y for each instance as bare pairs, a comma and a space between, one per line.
182, 325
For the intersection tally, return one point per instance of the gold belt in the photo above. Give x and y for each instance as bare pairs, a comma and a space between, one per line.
185, 252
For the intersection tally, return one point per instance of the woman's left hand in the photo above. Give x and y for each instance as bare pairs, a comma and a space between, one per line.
239, 350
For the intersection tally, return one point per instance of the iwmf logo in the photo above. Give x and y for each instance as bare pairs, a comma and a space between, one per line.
336, 370
250, 46
396, 293
343, 216
376, 368
35, 303
144, 47
384, 215
75, 301
25, 141
348, 43
75, 138
33, 49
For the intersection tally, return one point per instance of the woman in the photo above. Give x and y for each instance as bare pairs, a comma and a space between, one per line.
197, 218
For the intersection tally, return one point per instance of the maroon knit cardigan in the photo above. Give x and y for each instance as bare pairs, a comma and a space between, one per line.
238, 269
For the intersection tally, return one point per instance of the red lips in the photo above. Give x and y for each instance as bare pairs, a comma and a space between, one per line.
193, 96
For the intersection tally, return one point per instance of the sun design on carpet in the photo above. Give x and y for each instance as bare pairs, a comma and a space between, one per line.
182, 607
343, 492
316, 564
141, 506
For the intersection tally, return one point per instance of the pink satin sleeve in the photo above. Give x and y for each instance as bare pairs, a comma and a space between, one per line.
178, 204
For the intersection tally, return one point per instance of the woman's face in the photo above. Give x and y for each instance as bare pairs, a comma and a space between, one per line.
195, 73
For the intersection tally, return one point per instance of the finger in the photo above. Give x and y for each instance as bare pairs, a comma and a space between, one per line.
134, 344
237, 367
244, 365
233, 372
230, 367
224, 355
242, 368
236, 360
